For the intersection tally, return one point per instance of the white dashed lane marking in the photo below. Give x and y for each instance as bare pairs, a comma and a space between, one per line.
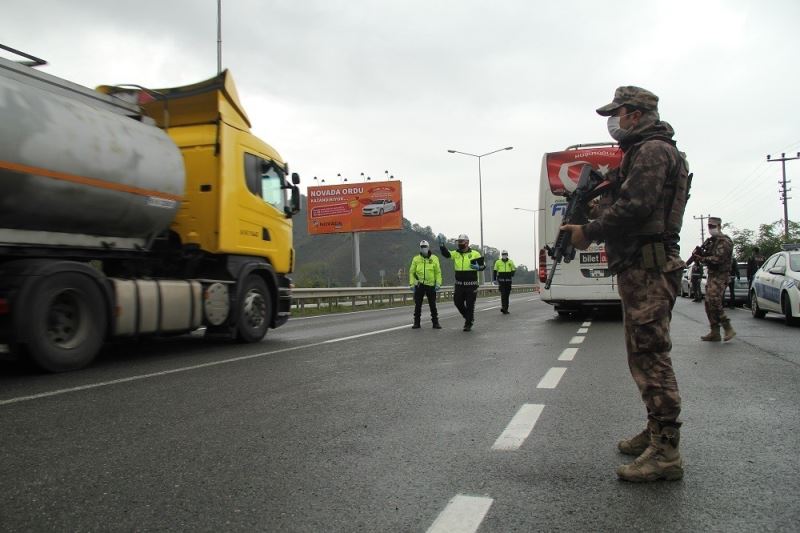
568, 354
582, 331
576, 340
551, 379
463, 514
586, 324
519, 428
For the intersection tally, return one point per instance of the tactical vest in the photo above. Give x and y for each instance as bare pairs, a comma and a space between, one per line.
664, 223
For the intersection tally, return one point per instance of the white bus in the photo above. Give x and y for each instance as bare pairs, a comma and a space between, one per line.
584, 283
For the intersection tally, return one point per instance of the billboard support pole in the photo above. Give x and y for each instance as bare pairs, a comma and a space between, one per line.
357, 258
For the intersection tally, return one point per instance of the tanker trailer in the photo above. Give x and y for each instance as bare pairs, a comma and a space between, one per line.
127, 212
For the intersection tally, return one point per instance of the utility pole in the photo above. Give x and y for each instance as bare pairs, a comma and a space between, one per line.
219, 36
702, 219
783, 190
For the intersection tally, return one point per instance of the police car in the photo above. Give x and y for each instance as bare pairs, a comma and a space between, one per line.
776, 286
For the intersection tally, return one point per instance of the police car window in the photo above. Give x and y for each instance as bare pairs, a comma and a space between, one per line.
794, 262
769, 262
781, 261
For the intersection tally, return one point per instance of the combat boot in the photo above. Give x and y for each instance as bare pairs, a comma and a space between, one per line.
712, 335
729, 331
436, 323
416, 324
661, 459
635, 445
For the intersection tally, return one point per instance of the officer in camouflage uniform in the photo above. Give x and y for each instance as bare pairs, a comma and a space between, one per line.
641, 228
716, 254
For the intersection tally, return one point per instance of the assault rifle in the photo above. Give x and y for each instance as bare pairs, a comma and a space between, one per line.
700, 251
591, 184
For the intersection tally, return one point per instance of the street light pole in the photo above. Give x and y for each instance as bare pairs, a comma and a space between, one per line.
535, 246
480, 187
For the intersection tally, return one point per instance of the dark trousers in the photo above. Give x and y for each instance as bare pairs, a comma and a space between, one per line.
505, 291
732, 287
696, 289
464, 299
421, 291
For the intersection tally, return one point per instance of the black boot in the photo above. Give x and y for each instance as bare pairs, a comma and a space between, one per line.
436, 323
467, 326
416, 324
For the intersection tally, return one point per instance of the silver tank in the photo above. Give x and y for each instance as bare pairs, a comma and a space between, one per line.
78, 168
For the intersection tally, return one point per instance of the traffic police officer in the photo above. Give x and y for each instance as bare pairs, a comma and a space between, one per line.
504, 270
425, 279
468, 265
641, 229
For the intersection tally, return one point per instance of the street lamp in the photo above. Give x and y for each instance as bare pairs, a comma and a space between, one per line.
535, 247
480, 187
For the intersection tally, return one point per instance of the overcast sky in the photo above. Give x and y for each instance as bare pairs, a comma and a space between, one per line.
352, 86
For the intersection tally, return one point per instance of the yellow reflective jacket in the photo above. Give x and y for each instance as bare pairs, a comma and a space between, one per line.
425, 270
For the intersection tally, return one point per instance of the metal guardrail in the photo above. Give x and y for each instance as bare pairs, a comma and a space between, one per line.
320, 298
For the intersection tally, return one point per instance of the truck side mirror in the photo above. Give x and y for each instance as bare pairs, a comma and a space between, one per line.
295, 178
294, 204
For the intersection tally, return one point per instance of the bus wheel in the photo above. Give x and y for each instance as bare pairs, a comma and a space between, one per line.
254, 310
64, 322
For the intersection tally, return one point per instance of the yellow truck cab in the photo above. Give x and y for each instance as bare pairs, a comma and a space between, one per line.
157, 212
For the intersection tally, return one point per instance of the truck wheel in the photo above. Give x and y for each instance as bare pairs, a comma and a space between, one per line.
254, 310
65, 322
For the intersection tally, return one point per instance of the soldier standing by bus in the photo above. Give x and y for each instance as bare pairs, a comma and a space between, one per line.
641, 229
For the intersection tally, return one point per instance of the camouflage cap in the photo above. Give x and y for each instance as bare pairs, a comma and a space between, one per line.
632, 96
715, 221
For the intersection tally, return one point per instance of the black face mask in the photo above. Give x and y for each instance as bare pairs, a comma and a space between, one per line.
463, 246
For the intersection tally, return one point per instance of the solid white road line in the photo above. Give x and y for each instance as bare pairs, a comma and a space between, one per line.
576, 340
583, 331
188, 368
586, 324
551, 379
568, 354
519, 428
463, 514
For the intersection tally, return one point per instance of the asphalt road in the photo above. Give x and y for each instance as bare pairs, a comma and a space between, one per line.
355, 422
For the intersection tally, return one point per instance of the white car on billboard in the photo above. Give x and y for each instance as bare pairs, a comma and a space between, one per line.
378, 207
776, 286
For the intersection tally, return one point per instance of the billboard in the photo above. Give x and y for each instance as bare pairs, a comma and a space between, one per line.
369, 206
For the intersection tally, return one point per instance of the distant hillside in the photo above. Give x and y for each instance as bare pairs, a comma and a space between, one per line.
327, 260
